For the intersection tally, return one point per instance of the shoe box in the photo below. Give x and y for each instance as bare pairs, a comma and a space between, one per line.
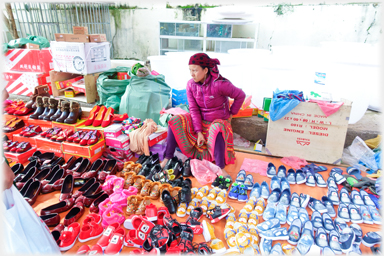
11, 134
113, 131
84, 151
92, 159
20, 158
64, 126
126, 151
89, 128
29, 60
19, 138
23, 83
122, 141
46, 145
45, 125
156, 137
159, 148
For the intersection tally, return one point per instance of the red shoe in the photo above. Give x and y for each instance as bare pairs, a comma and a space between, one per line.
100, 116
161, 212
33, 132
107, 120
107, 234
151, 212
96, 249
90, 231
26, 129
84, 140
75, 135
69, 236
63, 135
116, 242
95, 136
16, 147
84, 249
16, 107
44, 134
80, 137
92, 114
23, 111
92, 217
24, 147
54, 134
11, 145
120, 118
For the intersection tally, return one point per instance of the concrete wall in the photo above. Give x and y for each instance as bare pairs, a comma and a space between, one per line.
135, 31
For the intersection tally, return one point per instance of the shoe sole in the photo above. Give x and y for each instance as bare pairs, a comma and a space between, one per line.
234, 198
292, 242
88, 239
292, 183
357, 221
322, 186
300, 182
368, 222
270, 175
206, 232
341, 181
310, 185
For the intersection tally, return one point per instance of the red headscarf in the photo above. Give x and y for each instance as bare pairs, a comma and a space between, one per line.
203, 60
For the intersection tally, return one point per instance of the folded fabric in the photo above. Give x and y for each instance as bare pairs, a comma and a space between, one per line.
328, 108
294, 161
255, 166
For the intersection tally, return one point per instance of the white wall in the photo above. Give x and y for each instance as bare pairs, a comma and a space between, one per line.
136, 35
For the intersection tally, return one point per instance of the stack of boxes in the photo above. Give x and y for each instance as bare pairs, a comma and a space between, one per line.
115, 138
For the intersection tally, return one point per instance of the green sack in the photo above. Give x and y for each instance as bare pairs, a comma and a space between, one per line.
145, 97
164, 118
110, 89
20, 42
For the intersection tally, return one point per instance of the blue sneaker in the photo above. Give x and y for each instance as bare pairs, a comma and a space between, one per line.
275, 183
269, 224
265, 246
317, 220
304, 200
234, 192
303, 215
347, 237
243, 196
354, 214
376, 201
293, 213
274, 196
343, 212
285, 197
240, 178
291, 176
355, 250
294, 232
275, 234
306, 240
281, 213
376, 217
367, 199
321, 238
328, 223
340, 224
334, 242
371, 238
356, 198
248, 182
310, 180
366, 215
256, 190
320, 182
264, 190
277, 250
326, 251
329, 205
284, 184
344, 196
333, 196
358, 233
331, 183
295, 200
271, 170
300, 177
269, 212
316, 205
282, 171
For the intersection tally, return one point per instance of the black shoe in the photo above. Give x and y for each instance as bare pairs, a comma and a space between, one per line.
158, 238
186, 238
155, 169
225, 184
185, 194
172, 224
171, 162
152, 159
187, 182
143, 158
169, 201
203, 249
145, 170
187, 168
218, 181
177, 182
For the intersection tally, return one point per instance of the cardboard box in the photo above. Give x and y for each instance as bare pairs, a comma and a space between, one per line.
29, 60
46, 145
19, 138
97, 38
32, 46
121, 141
113, 131
125, 150
84, 151
260, 113
67, 83
45, 125
71, 127
156, 137
76, 38
244, 113
123, 76
11, 134
266, 116
24, 83
60, 37
70, 92
81, 58
307, 133
20, 158
79, 86
90, 84
80, 30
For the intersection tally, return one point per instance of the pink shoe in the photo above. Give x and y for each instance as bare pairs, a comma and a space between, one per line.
132, 190
113, 182
113, 214
104, 206
120, 197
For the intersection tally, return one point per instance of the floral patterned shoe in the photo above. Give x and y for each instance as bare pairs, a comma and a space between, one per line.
147, 184
138, 182
132, 202
129, 176
155, 190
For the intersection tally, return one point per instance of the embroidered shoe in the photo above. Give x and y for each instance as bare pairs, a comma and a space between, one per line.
334, 243
365, 214
300, 177
317, 220
274, 197
256, 190
271, 170
243, 196
234, 191
275, 234
240, 178
269, 211
291, 176
282, 171
202, 193
321, 238
221, 197
344, 196
293, 213
346, 239
329, 205
358, 233
248, 182
295, 200
264, 190
376, 217
331, 183
275, 183
356, 198
316, 205
320, 180
217, 213
269, 224
354, 214
294, 232
281, 213
304, 200
327, 223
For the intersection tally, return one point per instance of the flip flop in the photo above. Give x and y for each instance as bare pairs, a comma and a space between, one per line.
375, 175
365, 181
351, 180
336, 169
353, 171
320, 168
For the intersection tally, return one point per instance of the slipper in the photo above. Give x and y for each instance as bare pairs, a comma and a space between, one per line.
350, 179
375, 175
240, 178
353, 171
338, 170
365, 181
320, 168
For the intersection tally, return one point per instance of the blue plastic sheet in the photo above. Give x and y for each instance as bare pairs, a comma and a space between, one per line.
283, 102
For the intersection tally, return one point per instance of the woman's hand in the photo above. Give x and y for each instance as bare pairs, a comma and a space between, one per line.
200, 139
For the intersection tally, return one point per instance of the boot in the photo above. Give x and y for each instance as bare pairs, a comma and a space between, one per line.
39, 108
52, 108
65, 111
41, 90
74, 114
58, 111
46, 106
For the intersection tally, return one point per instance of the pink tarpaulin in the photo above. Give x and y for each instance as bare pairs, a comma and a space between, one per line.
294, 161
173, 111
255, 166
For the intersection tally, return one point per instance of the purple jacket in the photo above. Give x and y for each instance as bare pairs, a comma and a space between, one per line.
209, 101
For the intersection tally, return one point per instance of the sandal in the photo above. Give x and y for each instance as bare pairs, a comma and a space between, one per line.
155, 190
144, 203
132, 202
147, 184
129, 177
136, 168
138, 182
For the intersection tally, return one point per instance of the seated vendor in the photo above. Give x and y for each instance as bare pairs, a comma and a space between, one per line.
205, 132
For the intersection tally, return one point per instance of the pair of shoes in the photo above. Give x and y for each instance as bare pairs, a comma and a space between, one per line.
100, 116
243, 179
62, 135
238, 192
30, 131
13, 125
61, 111
18, 147
280, 183
84, 138
280, 172
54, 131
221, 182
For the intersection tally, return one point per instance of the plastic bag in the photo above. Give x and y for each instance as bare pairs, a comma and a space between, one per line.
283, 102
110, 89
136, 67
240, 141
24, 231
41, 41
142, 72
294, 161
204, 171
357, 152
145, 97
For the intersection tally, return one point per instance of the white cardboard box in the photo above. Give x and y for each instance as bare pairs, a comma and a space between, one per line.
81, 58
307, 133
